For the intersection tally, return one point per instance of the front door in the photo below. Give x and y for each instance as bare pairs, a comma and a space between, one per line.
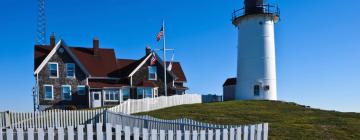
96, 99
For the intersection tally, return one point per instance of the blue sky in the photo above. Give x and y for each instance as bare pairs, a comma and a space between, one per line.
317, 43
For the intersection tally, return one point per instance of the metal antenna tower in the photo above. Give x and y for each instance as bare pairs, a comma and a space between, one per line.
41, 24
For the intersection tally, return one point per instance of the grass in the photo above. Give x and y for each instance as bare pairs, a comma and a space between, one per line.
286, 120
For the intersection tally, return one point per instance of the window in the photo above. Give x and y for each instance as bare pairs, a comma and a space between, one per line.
180, 92
112, 94
144, 93
66, 92
256, 90
125, 93
81, 90
152, 73
53, 70
48, 90
70, 70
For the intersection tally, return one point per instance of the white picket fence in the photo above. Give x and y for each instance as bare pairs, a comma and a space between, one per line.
63, 118
52, 118
155, 123
149, 104
118, 132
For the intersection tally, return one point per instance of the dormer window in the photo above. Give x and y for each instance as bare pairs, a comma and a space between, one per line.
152, 73
70, 70
53, 70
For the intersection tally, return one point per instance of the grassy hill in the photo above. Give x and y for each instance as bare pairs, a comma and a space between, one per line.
286, 120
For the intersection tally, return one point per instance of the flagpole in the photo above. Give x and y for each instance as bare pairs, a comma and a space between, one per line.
164, 52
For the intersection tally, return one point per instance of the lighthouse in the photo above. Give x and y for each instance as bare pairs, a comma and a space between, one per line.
256, 66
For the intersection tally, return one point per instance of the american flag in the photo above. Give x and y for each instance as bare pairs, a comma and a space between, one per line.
153, 60
160, 34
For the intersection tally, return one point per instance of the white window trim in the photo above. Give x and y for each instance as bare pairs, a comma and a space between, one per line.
77, 91
149, 73
57, 70
52, 92
143, 93
62, 94
104, 96
66, 74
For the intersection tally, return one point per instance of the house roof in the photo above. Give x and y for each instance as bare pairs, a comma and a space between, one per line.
230, 81
178, 71
105, 64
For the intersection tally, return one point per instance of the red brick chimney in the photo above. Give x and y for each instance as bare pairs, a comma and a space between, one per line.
52, 40
147, 50
96, 46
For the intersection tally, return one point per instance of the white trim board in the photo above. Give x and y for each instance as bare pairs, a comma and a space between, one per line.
140, 65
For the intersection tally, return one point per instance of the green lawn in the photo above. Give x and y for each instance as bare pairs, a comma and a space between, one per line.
286, 120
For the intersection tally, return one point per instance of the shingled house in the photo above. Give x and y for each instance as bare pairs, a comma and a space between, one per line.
81, 77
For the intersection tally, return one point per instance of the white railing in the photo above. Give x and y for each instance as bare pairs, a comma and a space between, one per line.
118, 132
148, 104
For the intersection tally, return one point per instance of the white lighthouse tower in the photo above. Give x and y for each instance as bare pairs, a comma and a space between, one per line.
256, 70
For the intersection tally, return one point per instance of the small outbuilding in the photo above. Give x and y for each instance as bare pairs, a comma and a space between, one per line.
229, 89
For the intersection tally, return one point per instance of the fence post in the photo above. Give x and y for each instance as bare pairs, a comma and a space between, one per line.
1, 134
60, 133
178, 135
145, 134
170, 135
232, 134
108, 131
70, 132
258, 131
127, 133
50, 133
99, 131
217, 134
187, 135
194, 135
9, 134
118, 132
238, 133
202, 135
225, 134
162, 134
80, 132
40, 134
245, 132
154, 134
89, 132
210, 134
265, 131
136, 133
252, 132
30, 135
